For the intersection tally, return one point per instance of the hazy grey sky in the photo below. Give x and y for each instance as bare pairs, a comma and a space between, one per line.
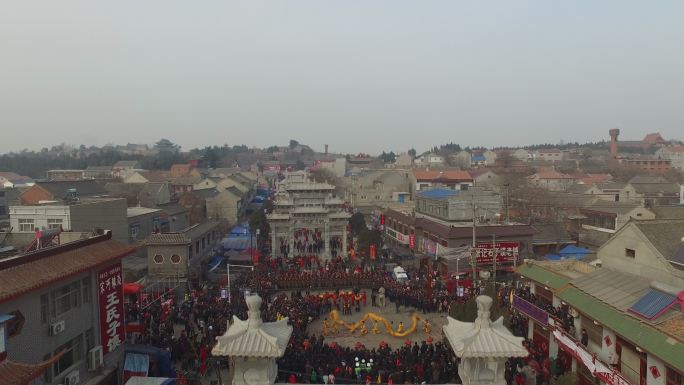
358, 75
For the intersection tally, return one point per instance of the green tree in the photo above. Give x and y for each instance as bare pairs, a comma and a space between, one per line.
258, 221
211, 155
388, 157
412, 153
293, 144
358, 223
369, 237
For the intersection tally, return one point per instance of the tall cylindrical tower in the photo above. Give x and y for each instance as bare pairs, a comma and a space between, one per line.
614, 142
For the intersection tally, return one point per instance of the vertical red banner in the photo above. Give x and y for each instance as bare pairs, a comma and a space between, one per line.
110, 295
412, 241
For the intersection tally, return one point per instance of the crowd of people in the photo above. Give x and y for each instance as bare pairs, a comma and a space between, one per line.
187, 326
312, 360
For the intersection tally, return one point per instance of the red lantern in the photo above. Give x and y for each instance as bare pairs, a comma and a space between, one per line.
654, 371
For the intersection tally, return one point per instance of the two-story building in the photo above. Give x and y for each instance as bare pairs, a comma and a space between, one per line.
452, 179
62, 309
549, 155
426, 236
85, 215
142, 221
675, 154
64, 174
601, 220
552, 180
182, 254
378, 189
459, 205
620, 323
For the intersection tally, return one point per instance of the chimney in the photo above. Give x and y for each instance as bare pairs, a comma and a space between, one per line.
614, 142
326, 150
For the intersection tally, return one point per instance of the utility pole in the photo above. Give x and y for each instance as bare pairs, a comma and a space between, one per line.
473, 256
507, 185
494, 253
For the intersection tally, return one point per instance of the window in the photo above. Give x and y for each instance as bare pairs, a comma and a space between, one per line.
673, 377
44, 308
65, 298
133, 231
630, 253
85, 288
203, 242
158, 259
72, 354
26, 225
54, 223
90, 339
175, 259
197, 247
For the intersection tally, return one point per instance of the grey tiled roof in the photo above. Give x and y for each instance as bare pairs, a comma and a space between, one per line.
669, 212
167, 239
665, 235
614, 288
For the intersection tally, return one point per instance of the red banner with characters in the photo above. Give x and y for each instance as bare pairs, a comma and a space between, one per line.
505, 252
110, 293
412, 241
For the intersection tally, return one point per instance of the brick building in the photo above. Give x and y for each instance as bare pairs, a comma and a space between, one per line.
56, 300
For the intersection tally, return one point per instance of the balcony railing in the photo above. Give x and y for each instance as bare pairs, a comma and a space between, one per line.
531, 310
598, 368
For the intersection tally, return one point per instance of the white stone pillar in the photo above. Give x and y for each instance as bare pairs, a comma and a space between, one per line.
275, 247
553, 346
344, 241
290, 241
326, 240
530, 328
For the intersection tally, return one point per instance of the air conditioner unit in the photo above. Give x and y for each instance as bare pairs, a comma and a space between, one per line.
95, 358
57, 327
72, 378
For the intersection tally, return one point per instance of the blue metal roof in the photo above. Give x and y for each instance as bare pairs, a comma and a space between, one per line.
652, 304
478, 158
236, 243
438, 193
239, 230
574, 250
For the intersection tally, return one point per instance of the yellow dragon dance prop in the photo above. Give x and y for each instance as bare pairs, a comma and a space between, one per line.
335, 318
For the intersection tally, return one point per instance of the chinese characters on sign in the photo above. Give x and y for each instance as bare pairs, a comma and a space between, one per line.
505, 252
110, 293
531, 310
412, 241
